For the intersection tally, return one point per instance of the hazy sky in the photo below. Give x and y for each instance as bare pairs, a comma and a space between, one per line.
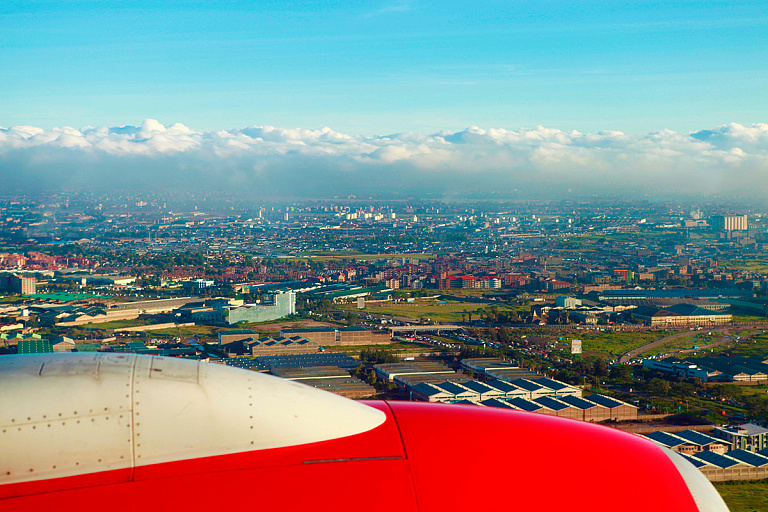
378, 67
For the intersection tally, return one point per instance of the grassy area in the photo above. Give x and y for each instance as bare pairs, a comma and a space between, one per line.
756, 265
203, 331
699, 338
66, 296
395, 348
464, 292
760, 390
445, 313
745, 495
612, 344
118, 324
739, 317
754, 346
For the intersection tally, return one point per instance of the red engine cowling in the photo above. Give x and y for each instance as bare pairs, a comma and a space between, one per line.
132, 433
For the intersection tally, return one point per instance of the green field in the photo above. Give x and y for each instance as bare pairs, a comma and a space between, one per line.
204, 331
445, 313
699, 338
751, 318
66, 296
745, 495
756, 265
610, 345
754, 346
118, 324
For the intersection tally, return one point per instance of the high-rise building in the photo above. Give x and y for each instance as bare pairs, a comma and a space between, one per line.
23, 285
730, 222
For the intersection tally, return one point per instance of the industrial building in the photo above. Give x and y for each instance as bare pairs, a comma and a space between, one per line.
709, 369
679, 314
749, 437
732, 465
34, 346
330, 371
63, 344
280, 305
70, 316
534, 384
329, 378
594, 408
233, 341
563, 301
388, 372
222, 311
682, 368
338, 336
276, 346
737, 368
689, 442
271, 363
247, 341
435, 382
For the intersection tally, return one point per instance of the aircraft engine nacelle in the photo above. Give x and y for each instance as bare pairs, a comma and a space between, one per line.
122, 432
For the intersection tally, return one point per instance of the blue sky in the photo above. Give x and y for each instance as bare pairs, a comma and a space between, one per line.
377, 67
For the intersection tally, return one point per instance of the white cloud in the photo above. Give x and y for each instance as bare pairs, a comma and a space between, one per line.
272, 160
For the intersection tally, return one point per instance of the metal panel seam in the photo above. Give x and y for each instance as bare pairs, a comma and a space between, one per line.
131, 398
405, 453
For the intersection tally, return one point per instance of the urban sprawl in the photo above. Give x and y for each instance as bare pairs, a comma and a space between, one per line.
646, 316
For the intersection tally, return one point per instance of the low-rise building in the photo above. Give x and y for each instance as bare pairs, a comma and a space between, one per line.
735, 368
679, 314
336, 336
685, 369
749, 437
275, 346
63, 344
689, 442
389, 371
236, 339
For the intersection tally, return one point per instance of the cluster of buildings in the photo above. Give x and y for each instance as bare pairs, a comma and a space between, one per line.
222, 311
650, 307
501, 384
330, 371
730, 453
717, 369
299, 340
34, 344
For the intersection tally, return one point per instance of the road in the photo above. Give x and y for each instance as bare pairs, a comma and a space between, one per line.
626, 356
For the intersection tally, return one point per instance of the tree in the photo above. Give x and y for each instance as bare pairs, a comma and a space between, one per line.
621, 372
659, 386
599, 367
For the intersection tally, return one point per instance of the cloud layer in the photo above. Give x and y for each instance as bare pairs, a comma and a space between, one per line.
264, 161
